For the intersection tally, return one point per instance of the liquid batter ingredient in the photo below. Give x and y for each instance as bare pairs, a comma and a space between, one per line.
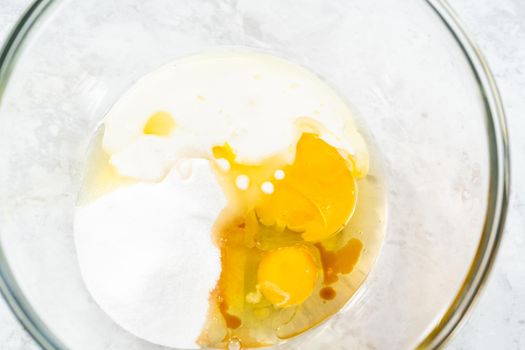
225, 201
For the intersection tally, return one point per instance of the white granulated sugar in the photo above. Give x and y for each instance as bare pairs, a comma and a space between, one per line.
147, 257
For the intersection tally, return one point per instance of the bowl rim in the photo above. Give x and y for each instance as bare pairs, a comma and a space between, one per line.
497, 195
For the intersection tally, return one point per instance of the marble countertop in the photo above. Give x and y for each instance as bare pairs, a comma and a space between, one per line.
498, 321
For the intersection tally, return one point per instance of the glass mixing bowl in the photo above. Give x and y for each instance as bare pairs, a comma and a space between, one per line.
421, 91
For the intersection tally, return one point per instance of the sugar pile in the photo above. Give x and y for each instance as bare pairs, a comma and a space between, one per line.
147, 256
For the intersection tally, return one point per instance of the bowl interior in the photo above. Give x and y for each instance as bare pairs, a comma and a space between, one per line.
414, 94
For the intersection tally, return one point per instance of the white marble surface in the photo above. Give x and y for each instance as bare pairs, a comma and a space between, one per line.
499, 319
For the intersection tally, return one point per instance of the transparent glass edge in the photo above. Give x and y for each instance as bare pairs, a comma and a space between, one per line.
498, 191
498, 194
8, 287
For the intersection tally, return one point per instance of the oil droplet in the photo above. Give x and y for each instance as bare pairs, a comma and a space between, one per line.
159, 124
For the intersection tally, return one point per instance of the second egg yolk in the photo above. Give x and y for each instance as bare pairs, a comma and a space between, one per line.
287, 276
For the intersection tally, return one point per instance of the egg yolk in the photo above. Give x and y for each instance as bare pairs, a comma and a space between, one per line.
314, 196
275, 211
287, 276
159, 124
318, 194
